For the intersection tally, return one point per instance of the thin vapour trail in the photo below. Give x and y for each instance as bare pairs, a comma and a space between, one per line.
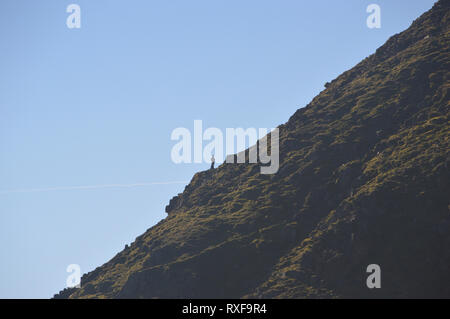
86, 187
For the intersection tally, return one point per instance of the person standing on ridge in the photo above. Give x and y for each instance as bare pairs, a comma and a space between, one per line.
213, 160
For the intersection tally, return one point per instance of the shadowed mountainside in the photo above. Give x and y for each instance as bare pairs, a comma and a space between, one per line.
363, 179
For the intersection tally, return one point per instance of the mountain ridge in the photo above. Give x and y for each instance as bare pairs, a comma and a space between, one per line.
363, 179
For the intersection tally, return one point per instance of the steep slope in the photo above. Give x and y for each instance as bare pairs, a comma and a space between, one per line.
363, 179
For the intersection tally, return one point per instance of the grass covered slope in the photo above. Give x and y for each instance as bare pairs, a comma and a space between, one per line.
363, 179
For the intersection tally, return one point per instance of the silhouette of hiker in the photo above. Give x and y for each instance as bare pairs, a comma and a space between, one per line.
213, 160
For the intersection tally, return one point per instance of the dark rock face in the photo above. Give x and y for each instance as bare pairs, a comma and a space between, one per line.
363, 179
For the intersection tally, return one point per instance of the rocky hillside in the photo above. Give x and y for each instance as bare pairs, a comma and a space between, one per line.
363, 179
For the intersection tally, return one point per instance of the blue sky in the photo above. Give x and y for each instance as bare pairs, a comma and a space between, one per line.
97, 105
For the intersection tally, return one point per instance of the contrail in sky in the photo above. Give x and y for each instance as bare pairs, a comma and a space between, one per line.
65, 188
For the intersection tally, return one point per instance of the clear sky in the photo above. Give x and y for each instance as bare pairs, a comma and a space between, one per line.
96, 106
